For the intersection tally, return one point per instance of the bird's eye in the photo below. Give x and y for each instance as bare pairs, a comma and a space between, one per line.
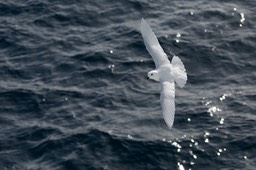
151, 74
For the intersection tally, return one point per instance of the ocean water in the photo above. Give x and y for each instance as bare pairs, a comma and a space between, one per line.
73, 92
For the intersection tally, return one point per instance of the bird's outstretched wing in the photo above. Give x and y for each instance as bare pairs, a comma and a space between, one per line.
179, 71
167, 99
152, 45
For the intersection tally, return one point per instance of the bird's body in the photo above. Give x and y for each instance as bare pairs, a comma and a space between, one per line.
166, 72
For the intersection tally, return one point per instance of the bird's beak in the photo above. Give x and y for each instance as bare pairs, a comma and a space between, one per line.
147, 78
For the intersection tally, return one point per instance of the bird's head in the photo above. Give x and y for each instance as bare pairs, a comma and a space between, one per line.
153, 74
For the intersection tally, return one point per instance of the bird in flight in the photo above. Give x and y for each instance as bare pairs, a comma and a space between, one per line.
166, 72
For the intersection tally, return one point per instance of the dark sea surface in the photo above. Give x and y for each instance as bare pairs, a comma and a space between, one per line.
74, 94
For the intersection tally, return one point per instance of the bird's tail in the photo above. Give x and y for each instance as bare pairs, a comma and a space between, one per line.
179, 71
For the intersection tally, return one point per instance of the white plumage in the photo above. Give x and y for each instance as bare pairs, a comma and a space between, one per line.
167, 73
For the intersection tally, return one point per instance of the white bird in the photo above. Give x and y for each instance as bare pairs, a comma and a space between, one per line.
166, 72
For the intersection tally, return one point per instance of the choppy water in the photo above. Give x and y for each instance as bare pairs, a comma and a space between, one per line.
74, 95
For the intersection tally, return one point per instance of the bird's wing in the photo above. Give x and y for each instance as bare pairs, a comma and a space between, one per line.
167, 99
152, 45
179, 71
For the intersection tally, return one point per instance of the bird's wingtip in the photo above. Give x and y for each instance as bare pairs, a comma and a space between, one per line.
142, 20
